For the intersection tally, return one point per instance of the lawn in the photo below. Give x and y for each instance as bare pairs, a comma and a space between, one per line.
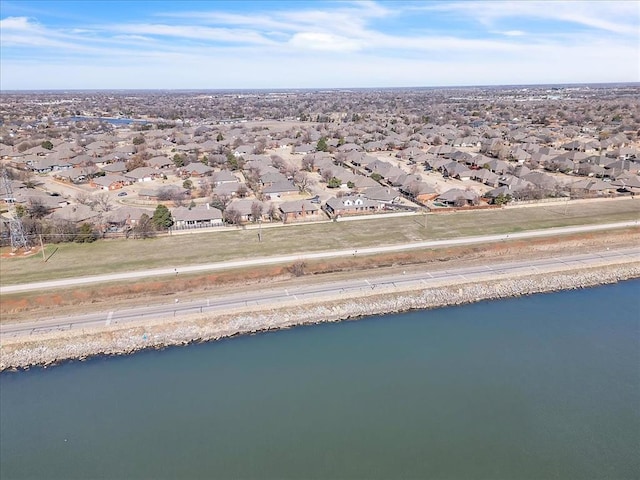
71, 260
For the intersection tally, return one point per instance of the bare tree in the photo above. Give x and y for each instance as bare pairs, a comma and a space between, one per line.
260, 147
242, 190
272, 211
231, 215
220, 202
144, 228
460, 201
102, 202
37, 209
302, 179
413, 189
308, 163
256, 211
277, 162
84, 198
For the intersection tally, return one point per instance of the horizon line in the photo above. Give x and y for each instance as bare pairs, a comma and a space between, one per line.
288, 89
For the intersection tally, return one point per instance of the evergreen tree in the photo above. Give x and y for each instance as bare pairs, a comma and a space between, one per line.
162, 218
322, 145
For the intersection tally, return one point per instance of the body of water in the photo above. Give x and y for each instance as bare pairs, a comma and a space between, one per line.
540, 387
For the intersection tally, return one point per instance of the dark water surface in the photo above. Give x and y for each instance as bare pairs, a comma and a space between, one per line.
541, 387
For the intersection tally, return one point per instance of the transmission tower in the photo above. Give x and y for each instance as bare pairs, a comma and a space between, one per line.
16, 230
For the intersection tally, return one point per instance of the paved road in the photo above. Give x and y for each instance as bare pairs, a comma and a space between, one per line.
304, 292
303, 256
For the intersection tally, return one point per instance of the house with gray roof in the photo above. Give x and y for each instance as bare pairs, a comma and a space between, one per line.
115, 167
160, 161
223, 176
244, 206
109, 182
200, 216
485, 176
142, 174
271, 177
76, 213
280, 189
591, 187
458, 197
382, 195
195, 169
124, 218
351, 205
457, 170
300, 211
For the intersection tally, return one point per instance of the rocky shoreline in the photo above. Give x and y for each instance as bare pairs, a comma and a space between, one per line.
52, 348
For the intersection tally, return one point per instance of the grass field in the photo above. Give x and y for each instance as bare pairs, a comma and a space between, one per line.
71, 260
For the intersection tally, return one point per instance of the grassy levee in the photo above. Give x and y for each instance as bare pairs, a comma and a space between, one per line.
73, 260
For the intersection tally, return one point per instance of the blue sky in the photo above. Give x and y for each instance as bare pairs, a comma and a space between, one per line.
314, 44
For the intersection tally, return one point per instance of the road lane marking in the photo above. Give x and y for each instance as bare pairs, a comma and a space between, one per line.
109, 317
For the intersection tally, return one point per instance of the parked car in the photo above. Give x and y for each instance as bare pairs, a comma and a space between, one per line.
122, 194
315, 199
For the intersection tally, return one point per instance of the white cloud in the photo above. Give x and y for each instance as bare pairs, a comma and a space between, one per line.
341, 46
513, 33
193, 32
324, 41
16, 23
620, 17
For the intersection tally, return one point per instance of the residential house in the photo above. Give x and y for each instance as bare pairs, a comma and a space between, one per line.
199, 216
271, 177
350, 205
457, 170
160, 162
195, 169
245, 208
591, 187
115, 167
76, 213
280, 189
109, 182
457, 197
142, 174
418, 190
226, 189
382, 195
304, 149
223, 176
485, 176
300, 211
125, 218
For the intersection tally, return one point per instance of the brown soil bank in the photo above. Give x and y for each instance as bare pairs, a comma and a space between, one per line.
26, 306
49, 348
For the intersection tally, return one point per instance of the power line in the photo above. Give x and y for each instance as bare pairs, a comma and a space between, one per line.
16, 229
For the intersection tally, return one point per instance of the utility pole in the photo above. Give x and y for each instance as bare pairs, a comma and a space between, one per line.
44, 258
